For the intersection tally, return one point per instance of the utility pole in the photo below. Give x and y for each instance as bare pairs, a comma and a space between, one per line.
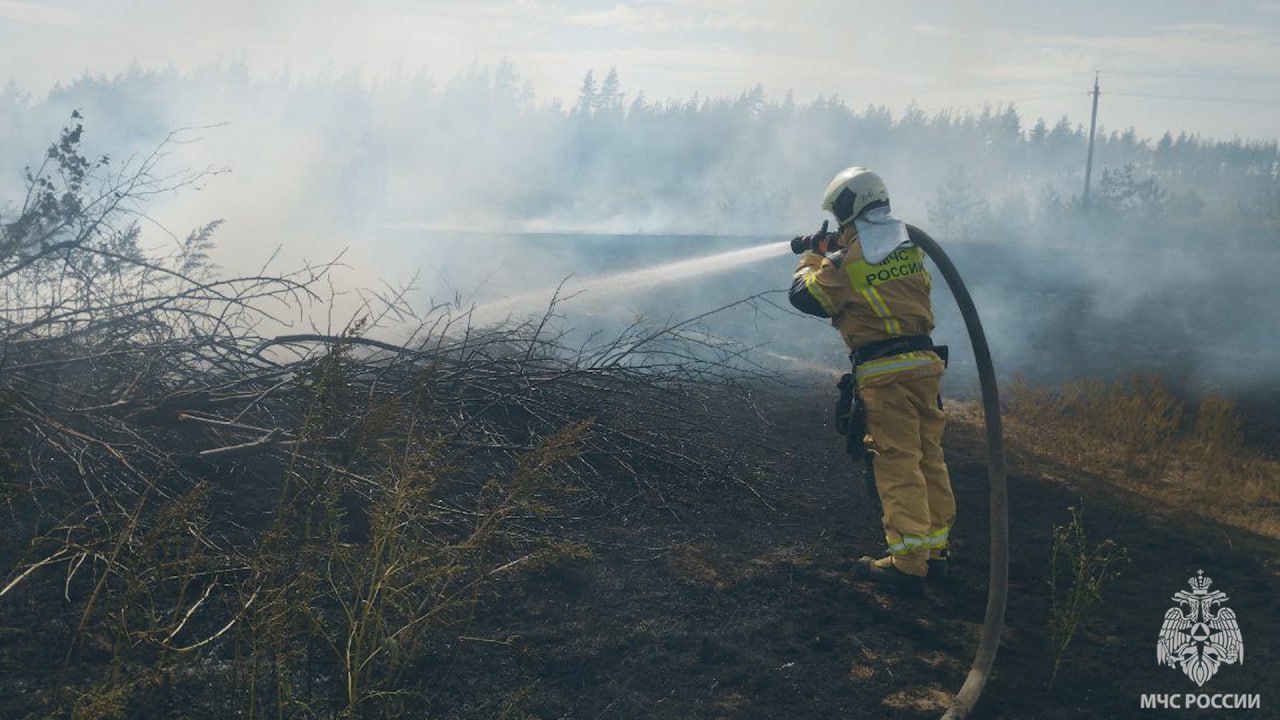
1093, 123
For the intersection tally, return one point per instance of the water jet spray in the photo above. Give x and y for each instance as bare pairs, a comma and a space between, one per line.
631, 281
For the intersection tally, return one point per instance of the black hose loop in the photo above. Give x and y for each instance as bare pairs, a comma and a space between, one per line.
998, 581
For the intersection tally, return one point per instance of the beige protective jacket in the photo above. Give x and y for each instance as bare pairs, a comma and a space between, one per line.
868, 303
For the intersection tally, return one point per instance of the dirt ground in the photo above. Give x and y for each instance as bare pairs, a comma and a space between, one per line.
741, 604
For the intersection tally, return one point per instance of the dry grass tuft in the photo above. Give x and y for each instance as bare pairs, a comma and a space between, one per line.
1138, 434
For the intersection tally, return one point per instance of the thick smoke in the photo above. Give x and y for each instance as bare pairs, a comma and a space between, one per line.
482, 192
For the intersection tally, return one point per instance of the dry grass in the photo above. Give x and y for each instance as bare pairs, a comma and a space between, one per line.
1139, 434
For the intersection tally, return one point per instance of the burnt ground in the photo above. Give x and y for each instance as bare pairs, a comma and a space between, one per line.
736, 600
739, 603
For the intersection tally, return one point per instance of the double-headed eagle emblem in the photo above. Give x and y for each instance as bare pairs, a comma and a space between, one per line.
1199, 634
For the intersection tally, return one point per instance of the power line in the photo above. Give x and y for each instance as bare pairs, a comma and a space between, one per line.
1202, 98
1059, 78
1196, 76
1006, 82
1057, 96
995, 103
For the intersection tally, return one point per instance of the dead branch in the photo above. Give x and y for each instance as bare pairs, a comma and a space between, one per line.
197, 477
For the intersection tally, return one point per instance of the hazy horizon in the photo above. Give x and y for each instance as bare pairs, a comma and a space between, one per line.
382, 167
1165, 64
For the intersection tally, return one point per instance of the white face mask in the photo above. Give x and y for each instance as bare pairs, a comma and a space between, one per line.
880, 233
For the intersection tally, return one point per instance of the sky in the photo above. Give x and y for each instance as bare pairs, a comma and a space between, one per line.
1179, 65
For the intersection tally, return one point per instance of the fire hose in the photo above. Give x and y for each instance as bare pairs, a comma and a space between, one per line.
998, 580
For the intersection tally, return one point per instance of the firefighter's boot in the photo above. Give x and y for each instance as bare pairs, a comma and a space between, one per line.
884, 572
939, 564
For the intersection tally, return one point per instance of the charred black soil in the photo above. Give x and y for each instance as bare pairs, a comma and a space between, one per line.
744, 606
737, 601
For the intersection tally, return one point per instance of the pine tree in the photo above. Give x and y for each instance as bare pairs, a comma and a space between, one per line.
587, 95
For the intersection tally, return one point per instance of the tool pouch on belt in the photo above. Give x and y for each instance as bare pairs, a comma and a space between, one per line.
850, 420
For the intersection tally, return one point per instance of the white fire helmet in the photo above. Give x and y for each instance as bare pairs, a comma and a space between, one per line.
858, 195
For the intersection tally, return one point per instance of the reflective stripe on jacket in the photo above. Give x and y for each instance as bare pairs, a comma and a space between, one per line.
867, 302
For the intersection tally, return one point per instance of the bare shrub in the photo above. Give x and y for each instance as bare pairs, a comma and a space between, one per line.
209, 519
1078, 572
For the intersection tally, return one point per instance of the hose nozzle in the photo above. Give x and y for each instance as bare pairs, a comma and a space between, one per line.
819, 242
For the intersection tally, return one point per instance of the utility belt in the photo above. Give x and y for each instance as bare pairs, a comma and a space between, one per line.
896, 346
850, 419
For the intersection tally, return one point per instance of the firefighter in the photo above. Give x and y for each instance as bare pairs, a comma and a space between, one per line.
872, 283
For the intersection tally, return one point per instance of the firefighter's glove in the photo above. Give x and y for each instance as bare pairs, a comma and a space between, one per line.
820, 243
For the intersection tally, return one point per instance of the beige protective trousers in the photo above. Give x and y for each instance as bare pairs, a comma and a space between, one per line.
905, 427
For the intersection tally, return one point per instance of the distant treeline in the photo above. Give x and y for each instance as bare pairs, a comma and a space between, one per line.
482, 150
